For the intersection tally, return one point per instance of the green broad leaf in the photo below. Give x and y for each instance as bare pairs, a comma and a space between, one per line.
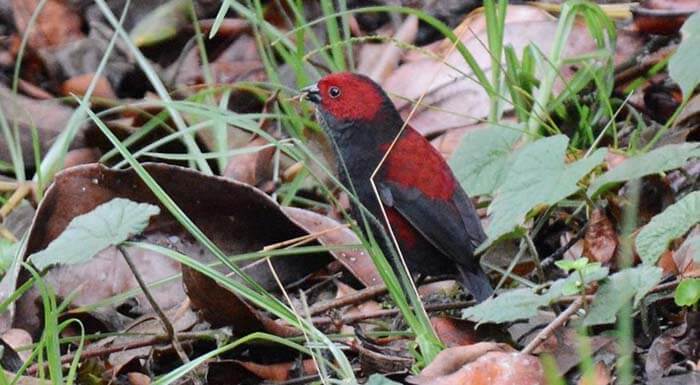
483, 157
658, 160
618, 290
687, 292
572, 284
162, 24
673, 222
378, 379
683, 65
510, 306
524, 303
538, 177
568, 265
108, 224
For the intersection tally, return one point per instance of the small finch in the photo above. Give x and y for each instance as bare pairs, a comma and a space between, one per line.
432, 218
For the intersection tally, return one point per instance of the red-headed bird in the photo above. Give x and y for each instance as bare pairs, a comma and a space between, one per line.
433, 219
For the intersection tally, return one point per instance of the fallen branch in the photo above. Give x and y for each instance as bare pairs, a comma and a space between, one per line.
553, 326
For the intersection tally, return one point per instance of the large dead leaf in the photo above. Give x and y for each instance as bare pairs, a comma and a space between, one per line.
452, 100
330, 232
48, 116
481, 364
237, 217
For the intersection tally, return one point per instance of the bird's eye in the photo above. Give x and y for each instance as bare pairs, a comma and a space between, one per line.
334, 92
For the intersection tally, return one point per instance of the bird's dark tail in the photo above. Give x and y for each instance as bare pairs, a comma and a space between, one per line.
476, 281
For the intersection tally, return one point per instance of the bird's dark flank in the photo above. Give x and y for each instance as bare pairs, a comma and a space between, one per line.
435, 223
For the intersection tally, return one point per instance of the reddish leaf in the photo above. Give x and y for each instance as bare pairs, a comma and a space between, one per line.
330, 232
600, 241
57, 23
278, 372
481, 364
78, 85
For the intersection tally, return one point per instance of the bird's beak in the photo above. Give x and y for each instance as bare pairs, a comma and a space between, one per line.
311, 93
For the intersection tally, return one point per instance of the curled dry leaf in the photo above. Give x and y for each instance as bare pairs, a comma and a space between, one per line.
452, 359
136, 378
454, 332
329, 233
252, 168
676, 345
281, 371
18, 338
663, 17
237, 217
600, 241
219, 306
482, 363
78, 86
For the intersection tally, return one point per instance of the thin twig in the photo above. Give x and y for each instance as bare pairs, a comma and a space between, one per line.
7, 234
560, 251
350, 299
9, 186
298, 241
553, 326
321, 321
20, 193
107, 350
163, 318
536, 257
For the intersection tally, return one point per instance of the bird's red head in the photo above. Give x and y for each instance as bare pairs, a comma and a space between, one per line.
347, 96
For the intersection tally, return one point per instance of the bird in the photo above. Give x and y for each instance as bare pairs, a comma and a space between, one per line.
433, 219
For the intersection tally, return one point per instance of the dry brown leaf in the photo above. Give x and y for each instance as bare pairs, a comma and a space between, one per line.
253, 168
454, 332
48, 116
481, 364
451, 99
278, 372
684, 257
57, 23
330, 232
600, 241
565, 347
81, 156
452, 359
17, 338
220, 207
663, 17
136, 378
219, 306
382, 66
601, 375
78, 85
